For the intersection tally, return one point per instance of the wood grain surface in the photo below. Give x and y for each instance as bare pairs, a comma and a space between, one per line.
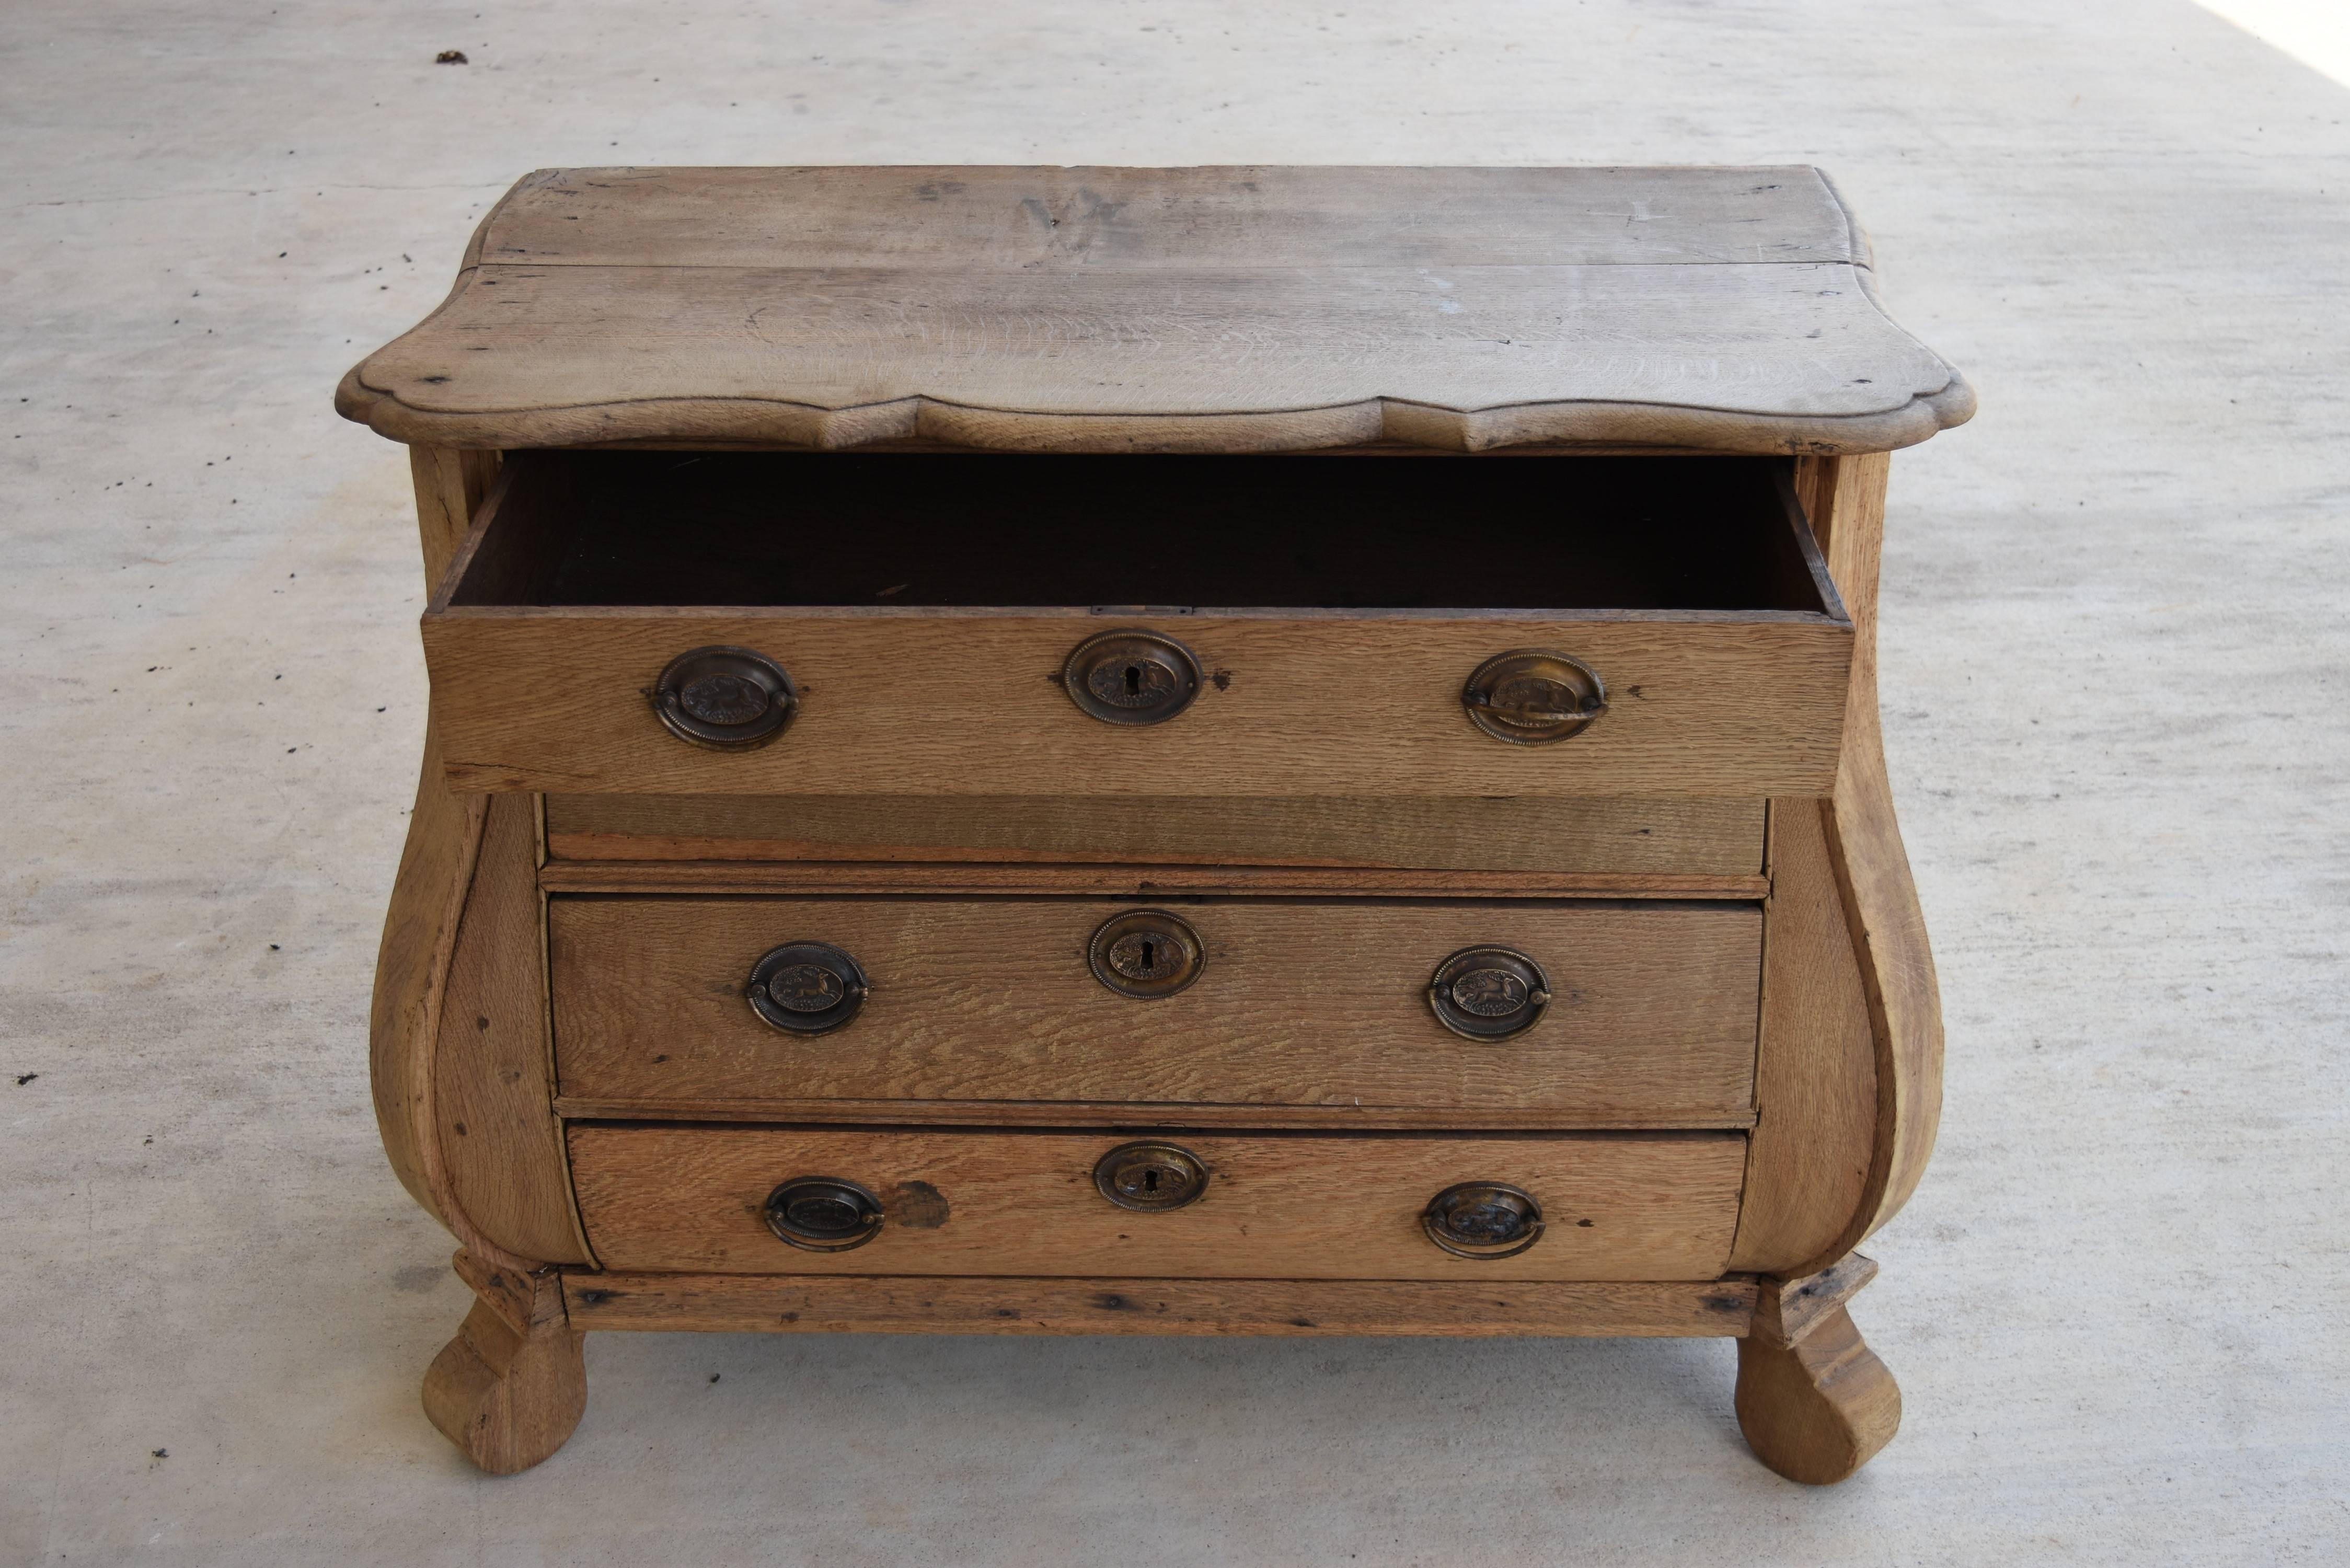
1702, 705
411, 974
1299, 1003
1297, 1206
964, 878
1653, 837
1815, 1060
1880, 900
1155, 1115
493, 1076
1814, 1405
510, 1388
1168, 309
744, 1303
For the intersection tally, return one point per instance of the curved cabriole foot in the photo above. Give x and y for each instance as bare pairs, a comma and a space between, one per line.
1814, 1401
510, 1388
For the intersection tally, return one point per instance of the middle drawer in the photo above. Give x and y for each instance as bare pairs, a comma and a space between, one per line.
1576, 1013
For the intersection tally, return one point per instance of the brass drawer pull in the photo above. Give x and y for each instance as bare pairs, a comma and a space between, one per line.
1531, 696
728, 699
1150, 1177
823, 1214
1483, 1219
1131, 677
807, 988
1489, 994
1146, 954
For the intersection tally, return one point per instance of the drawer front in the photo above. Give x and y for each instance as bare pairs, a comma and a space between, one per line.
1612, 835
1302, 1206
955, 701
1296, 1002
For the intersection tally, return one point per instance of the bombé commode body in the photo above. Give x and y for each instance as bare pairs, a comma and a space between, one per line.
1200, 751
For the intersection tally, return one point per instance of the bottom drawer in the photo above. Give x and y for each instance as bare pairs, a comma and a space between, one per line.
1271, 1205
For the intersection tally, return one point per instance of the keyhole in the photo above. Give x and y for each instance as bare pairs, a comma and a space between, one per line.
1133, 680
1150, 1182
1150, 957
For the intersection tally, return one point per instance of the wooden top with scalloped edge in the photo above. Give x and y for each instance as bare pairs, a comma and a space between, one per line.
1206, 309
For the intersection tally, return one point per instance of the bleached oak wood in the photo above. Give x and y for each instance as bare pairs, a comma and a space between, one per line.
449, 484
1402, 312
511, 1386
1880, 900
736, 1303
1804, 1304
1129, 880
428, 899
1299, 1206
1299, 1003
1064, 309
1816, 1062
1730, 706
420, 932
501, 1144
1815, 1402
1655, 836
1157, 1115
1008, 218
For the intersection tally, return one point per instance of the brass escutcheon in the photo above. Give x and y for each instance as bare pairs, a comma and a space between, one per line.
1483, 1219
728, 699
1489, 994
823, 1214
1150, 1177
1145, 953
1131, 677
807, 988
1530, 696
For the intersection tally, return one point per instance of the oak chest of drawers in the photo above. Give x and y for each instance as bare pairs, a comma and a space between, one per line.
1205, 750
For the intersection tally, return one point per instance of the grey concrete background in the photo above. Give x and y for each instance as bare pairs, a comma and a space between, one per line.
2114, 664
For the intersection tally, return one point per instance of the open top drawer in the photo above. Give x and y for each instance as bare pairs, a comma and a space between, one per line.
940, 623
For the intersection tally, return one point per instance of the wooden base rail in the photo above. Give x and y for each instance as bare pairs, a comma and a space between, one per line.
885, 1304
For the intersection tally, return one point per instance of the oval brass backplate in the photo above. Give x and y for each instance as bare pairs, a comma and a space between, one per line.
1145, 953
1150, 1177
1531, 696
1131, 677
1483, 1219
807, 988
823, 1214
729, 699
1489, 994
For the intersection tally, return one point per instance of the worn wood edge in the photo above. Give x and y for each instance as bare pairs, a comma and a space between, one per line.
1872, 869
1031, 1115
1857, 244
1421, 425
1786, 1311
969, 1304
962, 878
522, 1300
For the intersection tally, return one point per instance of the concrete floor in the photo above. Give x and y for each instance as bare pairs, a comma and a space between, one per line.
2115, 659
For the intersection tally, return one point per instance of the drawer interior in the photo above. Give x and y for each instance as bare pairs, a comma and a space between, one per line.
914, 530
